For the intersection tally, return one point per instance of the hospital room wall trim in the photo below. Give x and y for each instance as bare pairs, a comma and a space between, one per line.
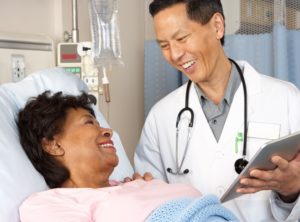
6, 44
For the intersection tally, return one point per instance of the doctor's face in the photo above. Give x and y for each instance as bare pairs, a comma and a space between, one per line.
189, 46
89, 152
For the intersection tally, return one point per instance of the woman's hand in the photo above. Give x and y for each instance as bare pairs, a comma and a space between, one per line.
147, 176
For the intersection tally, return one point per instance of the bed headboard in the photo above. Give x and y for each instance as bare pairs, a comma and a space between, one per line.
18, 177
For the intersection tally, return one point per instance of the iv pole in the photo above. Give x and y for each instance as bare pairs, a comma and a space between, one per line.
74, 36
75, 33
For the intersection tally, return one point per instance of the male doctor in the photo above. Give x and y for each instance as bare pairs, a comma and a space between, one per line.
190, 34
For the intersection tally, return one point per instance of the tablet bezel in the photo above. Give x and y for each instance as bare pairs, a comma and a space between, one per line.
286, 147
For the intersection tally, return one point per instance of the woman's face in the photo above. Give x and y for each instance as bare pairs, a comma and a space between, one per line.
89, 152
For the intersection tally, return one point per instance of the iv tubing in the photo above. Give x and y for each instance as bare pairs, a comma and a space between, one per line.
105, 84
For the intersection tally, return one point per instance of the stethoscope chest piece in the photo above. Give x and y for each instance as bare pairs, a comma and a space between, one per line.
240, 164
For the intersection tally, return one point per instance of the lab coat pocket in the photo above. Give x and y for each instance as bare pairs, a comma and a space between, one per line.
258, 134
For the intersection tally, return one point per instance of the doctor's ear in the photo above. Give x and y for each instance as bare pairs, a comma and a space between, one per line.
52, 147
219, 25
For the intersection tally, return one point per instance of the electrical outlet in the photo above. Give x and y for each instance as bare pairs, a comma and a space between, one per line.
91, 82
18, 67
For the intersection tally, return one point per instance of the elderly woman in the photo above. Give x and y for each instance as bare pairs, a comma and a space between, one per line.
76, 156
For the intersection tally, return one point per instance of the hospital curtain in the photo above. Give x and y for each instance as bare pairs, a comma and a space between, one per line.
160, 78
270, 41
268, 38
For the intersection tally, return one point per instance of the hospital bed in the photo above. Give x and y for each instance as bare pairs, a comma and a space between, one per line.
18, 177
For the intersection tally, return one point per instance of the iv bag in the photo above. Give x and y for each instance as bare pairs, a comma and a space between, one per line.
106, 49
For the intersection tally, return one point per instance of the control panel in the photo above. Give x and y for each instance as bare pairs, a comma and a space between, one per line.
68, 58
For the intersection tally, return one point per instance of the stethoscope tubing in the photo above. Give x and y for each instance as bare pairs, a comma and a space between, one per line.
191, 123
245, 106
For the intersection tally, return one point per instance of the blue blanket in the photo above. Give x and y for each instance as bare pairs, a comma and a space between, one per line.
206, 209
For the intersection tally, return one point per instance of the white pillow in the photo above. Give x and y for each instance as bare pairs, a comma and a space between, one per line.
18, 177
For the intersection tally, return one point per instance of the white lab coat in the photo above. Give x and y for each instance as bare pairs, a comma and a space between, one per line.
273, 107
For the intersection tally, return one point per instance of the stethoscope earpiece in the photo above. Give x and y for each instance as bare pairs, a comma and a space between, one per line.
240, 164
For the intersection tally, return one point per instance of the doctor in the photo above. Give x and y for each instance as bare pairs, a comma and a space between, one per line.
231, 110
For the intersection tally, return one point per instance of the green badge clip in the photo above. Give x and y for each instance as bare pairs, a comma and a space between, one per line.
239, 138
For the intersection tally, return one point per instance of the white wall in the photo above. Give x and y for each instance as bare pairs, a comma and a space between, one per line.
26, 16
149, 30
52, 17
127, 83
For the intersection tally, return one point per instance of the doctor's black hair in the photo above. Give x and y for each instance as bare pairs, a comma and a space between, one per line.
44, 117
200, 11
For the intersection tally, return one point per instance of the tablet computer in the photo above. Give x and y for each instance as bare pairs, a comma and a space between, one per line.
286, 147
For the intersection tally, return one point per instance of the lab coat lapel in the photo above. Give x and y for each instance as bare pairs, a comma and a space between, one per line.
202, 128
235, 118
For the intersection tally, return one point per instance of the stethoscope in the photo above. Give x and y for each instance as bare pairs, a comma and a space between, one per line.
239, 164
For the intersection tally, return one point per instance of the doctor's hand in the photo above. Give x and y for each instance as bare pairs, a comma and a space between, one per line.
284, 179
147, 176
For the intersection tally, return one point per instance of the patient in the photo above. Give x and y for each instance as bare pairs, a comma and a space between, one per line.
76, 156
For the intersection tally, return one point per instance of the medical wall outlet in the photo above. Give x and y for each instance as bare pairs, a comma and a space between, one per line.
24, 53
77, 59
18, 67
89, 72
92, 82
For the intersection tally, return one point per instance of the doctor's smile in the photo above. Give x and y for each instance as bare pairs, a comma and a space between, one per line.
188, 66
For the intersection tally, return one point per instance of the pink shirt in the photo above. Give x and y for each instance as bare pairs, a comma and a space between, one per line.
132, 201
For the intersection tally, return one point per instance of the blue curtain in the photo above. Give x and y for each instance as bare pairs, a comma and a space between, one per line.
275, 54
160, 78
